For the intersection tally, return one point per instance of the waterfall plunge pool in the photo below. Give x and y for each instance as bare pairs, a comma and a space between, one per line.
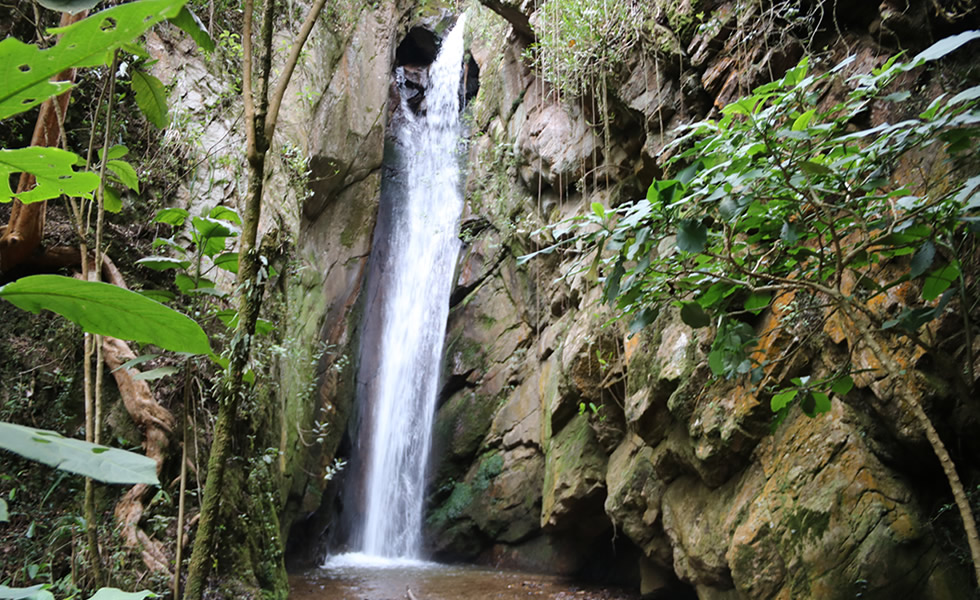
362, 577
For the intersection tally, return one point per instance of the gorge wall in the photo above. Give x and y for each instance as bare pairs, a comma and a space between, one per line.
563, 443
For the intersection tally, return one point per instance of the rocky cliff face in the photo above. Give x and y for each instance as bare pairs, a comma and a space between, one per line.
563, 443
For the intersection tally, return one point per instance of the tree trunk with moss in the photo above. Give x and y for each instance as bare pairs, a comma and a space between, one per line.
239, 487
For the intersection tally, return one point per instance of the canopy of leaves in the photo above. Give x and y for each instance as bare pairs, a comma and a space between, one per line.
785, 194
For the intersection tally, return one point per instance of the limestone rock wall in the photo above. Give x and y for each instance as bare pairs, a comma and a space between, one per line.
564, 444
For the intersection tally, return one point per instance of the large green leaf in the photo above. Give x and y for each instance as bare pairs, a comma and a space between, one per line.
52, 167
117, 594
108, 310
35, 592
26, 69
4, 514
151, 98
109, 465
68, 6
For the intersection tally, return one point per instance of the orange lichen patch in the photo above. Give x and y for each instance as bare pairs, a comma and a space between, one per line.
630, 344
771, 331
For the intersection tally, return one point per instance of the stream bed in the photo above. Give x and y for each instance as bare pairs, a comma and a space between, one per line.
360, 577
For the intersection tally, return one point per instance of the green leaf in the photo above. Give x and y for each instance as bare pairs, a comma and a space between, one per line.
756, 302
821, 402
157, 373
227, 261
112, 199
716, 361
842, 386
185, 283
117, 594
715, 293
4, 514
108, 310
803, 121
788, 233
224, 213
151, 97
944, 47
68, 6
599, 210
922, 259
115, 152
126, 174
171, 216
159, 295
940, 279
35, 592
815, 168
108, 465
162, 263
193, 27
26, 70
781, 400
691, 235
129, 364
641, 319
51, 167
210, 234
693, 315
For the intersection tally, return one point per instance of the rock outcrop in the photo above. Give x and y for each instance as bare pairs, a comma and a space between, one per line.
559, 433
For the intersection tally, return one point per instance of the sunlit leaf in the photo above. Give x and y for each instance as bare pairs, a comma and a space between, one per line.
757, 302
224, 213
26, 70
126, 174
159, 295
53, 168
162, 263
780, 400
171, 216
944, 47
227, 261
35, 592
111, 199
117, 594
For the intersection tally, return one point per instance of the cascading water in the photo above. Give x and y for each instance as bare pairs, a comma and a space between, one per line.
415, 263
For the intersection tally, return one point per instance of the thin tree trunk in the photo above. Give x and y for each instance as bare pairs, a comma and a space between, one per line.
25, 227
894, 370
260, 125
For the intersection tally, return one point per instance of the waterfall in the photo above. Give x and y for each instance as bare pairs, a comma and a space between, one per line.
408, 309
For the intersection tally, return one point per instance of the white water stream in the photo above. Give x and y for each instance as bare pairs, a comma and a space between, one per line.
417, 272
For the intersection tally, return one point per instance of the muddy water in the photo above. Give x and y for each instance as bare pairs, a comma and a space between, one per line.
366, 579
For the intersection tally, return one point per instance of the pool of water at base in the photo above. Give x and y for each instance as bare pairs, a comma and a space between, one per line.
356, 577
